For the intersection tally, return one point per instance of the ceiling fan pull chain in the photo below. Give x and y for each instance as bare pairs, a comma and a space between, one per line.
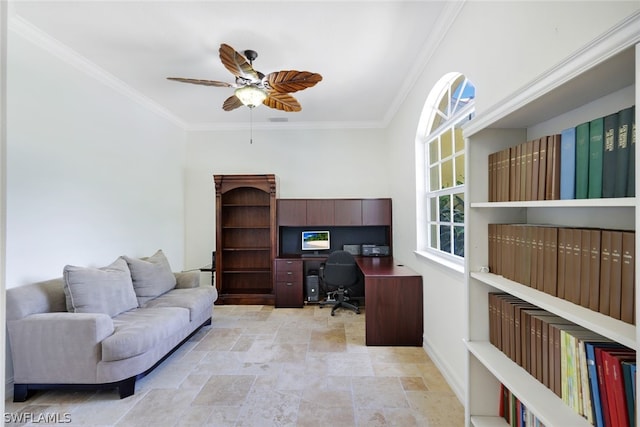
250, 125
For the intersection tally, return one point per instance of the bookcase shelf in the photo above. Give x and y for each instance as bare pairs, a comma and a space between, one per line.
597, 80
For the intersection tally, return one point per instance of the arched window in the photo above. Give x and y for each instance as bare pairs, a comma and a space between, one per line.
440, 161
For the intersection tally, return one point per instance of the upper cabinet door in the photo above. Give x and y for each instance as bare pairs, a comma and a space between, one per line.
376, 211
348, 212
320, 212
292, 212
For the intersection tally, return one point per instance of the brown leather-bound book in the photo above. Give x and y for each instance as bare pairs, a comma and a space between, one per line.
504, 175
542, 169
574, 271
540, 261
535, 168
594, 269
519, 345
550, 260
564, 237
518, 251
512, 173
526, 262
517, 174
585, 260
605, 271
556, 353
523, 171
529, 170
491, 180
498, 254
553, 168
533, 264
628, 296
491, 239
615, 275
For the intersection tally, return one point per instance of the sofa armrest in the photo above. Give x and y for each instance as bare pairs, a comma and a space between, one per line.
58, 347
187, 279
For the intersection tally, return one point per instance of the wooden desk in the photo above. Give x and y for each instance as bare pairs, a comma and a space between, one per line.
392, 295
393, 302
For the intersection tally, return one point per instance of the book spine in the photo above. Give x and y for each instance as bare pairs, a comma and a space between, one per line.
585, 265
615, 275
609, 155
605, 271
553, 167
596, 143
582, 160
631, 175
622, 151
542, 169
594, 269
568, 164
627, 279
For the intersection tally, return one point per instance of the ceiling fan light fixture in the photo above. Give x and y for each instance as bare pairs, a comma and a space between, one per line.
251, 95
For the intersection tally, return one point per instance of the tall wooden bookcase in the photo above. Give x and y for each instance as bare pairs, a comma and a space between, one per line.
600, 79
245, 238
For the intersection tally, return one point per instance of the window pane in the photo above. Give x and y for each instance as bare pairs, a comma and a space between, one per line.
447, 174
459, 140
433, 209
445, 208
445, 238
459, 169
458, 241
434, 178
458, 207
437, 121
433, 152
434, 236
446, 144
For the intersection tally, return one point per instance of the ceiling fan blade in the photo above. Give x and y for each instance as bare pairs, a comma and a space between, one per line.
282, 101
236, 63
231, 103
201, 82
292, 80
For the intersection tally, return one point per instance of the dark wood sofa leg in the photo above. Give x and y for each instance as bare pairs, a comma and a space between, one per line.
127, 387
20, 392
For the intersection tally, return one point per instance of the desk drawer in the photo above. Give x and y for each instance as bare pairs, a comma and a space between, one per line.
289, 276
289, 265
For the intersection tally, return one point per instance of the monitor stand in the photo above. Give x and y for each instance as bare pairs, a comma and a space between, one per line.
313, 254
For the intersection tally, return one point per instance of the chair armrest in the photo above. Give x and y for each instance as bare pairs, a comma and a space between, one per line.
58, 347
187, 279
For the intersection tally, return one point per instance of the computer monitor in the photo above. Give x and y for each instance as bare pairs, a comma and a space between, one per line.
315, 241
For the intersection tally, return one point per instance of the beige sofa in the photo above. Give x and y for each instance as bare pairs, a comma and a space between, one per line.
103, 327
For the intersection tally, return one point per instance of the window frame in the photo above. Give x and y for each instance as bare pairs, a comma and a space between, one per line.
446, 122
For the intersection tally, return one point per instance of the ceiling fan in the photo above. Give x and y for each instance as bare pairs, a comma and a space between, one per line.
253, 87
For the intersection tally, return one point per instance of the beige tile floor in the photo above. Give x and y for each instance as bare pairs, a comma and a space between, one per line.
257, 366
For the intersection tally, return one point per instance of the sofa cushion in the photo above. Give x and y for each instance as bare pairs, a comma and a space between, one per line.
196, 300
152, 276
138, 331
107, 290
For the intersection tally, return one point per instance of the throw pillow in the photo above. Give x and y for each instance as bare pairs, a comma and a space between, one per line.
152, 276
107, 290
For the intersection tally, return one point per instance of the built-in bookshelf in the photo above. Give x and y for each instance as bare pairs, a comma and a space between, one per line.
596, 81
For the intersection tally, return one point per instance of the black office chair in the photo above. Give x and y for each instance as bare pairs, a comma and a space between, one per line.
338, 274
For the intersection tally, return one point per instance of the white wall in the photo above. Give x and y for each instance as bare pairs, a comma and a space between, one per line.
3, 146
500, 46
91, 174
307, 163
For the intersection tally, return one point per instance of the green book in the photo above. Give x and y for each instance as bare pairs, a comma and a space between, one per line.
609, 155
582, 160
631, 175
596, 150
625, 119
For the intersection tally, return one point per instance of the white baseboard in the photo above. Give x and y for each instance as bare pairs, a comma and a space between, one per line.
447, 371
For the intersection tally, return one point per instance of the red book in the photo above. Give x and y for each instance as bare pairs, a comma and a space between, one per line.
614, 384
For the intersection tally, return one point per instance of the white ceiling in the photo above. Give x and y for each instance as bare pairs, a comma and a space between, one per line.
369, 52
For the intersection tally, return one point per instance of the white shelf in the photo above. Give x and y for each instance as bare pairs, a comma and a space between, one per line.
483, 421
574, 203
607, 326
548, 407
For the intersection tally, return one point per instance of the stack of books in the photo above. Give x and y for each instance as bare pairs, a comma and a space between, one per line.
594, 159
590, 373
591, 267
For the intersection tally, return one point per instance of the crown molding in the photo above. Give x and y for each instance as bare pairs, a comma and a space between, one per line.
30, 32
443, 24
617, 39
